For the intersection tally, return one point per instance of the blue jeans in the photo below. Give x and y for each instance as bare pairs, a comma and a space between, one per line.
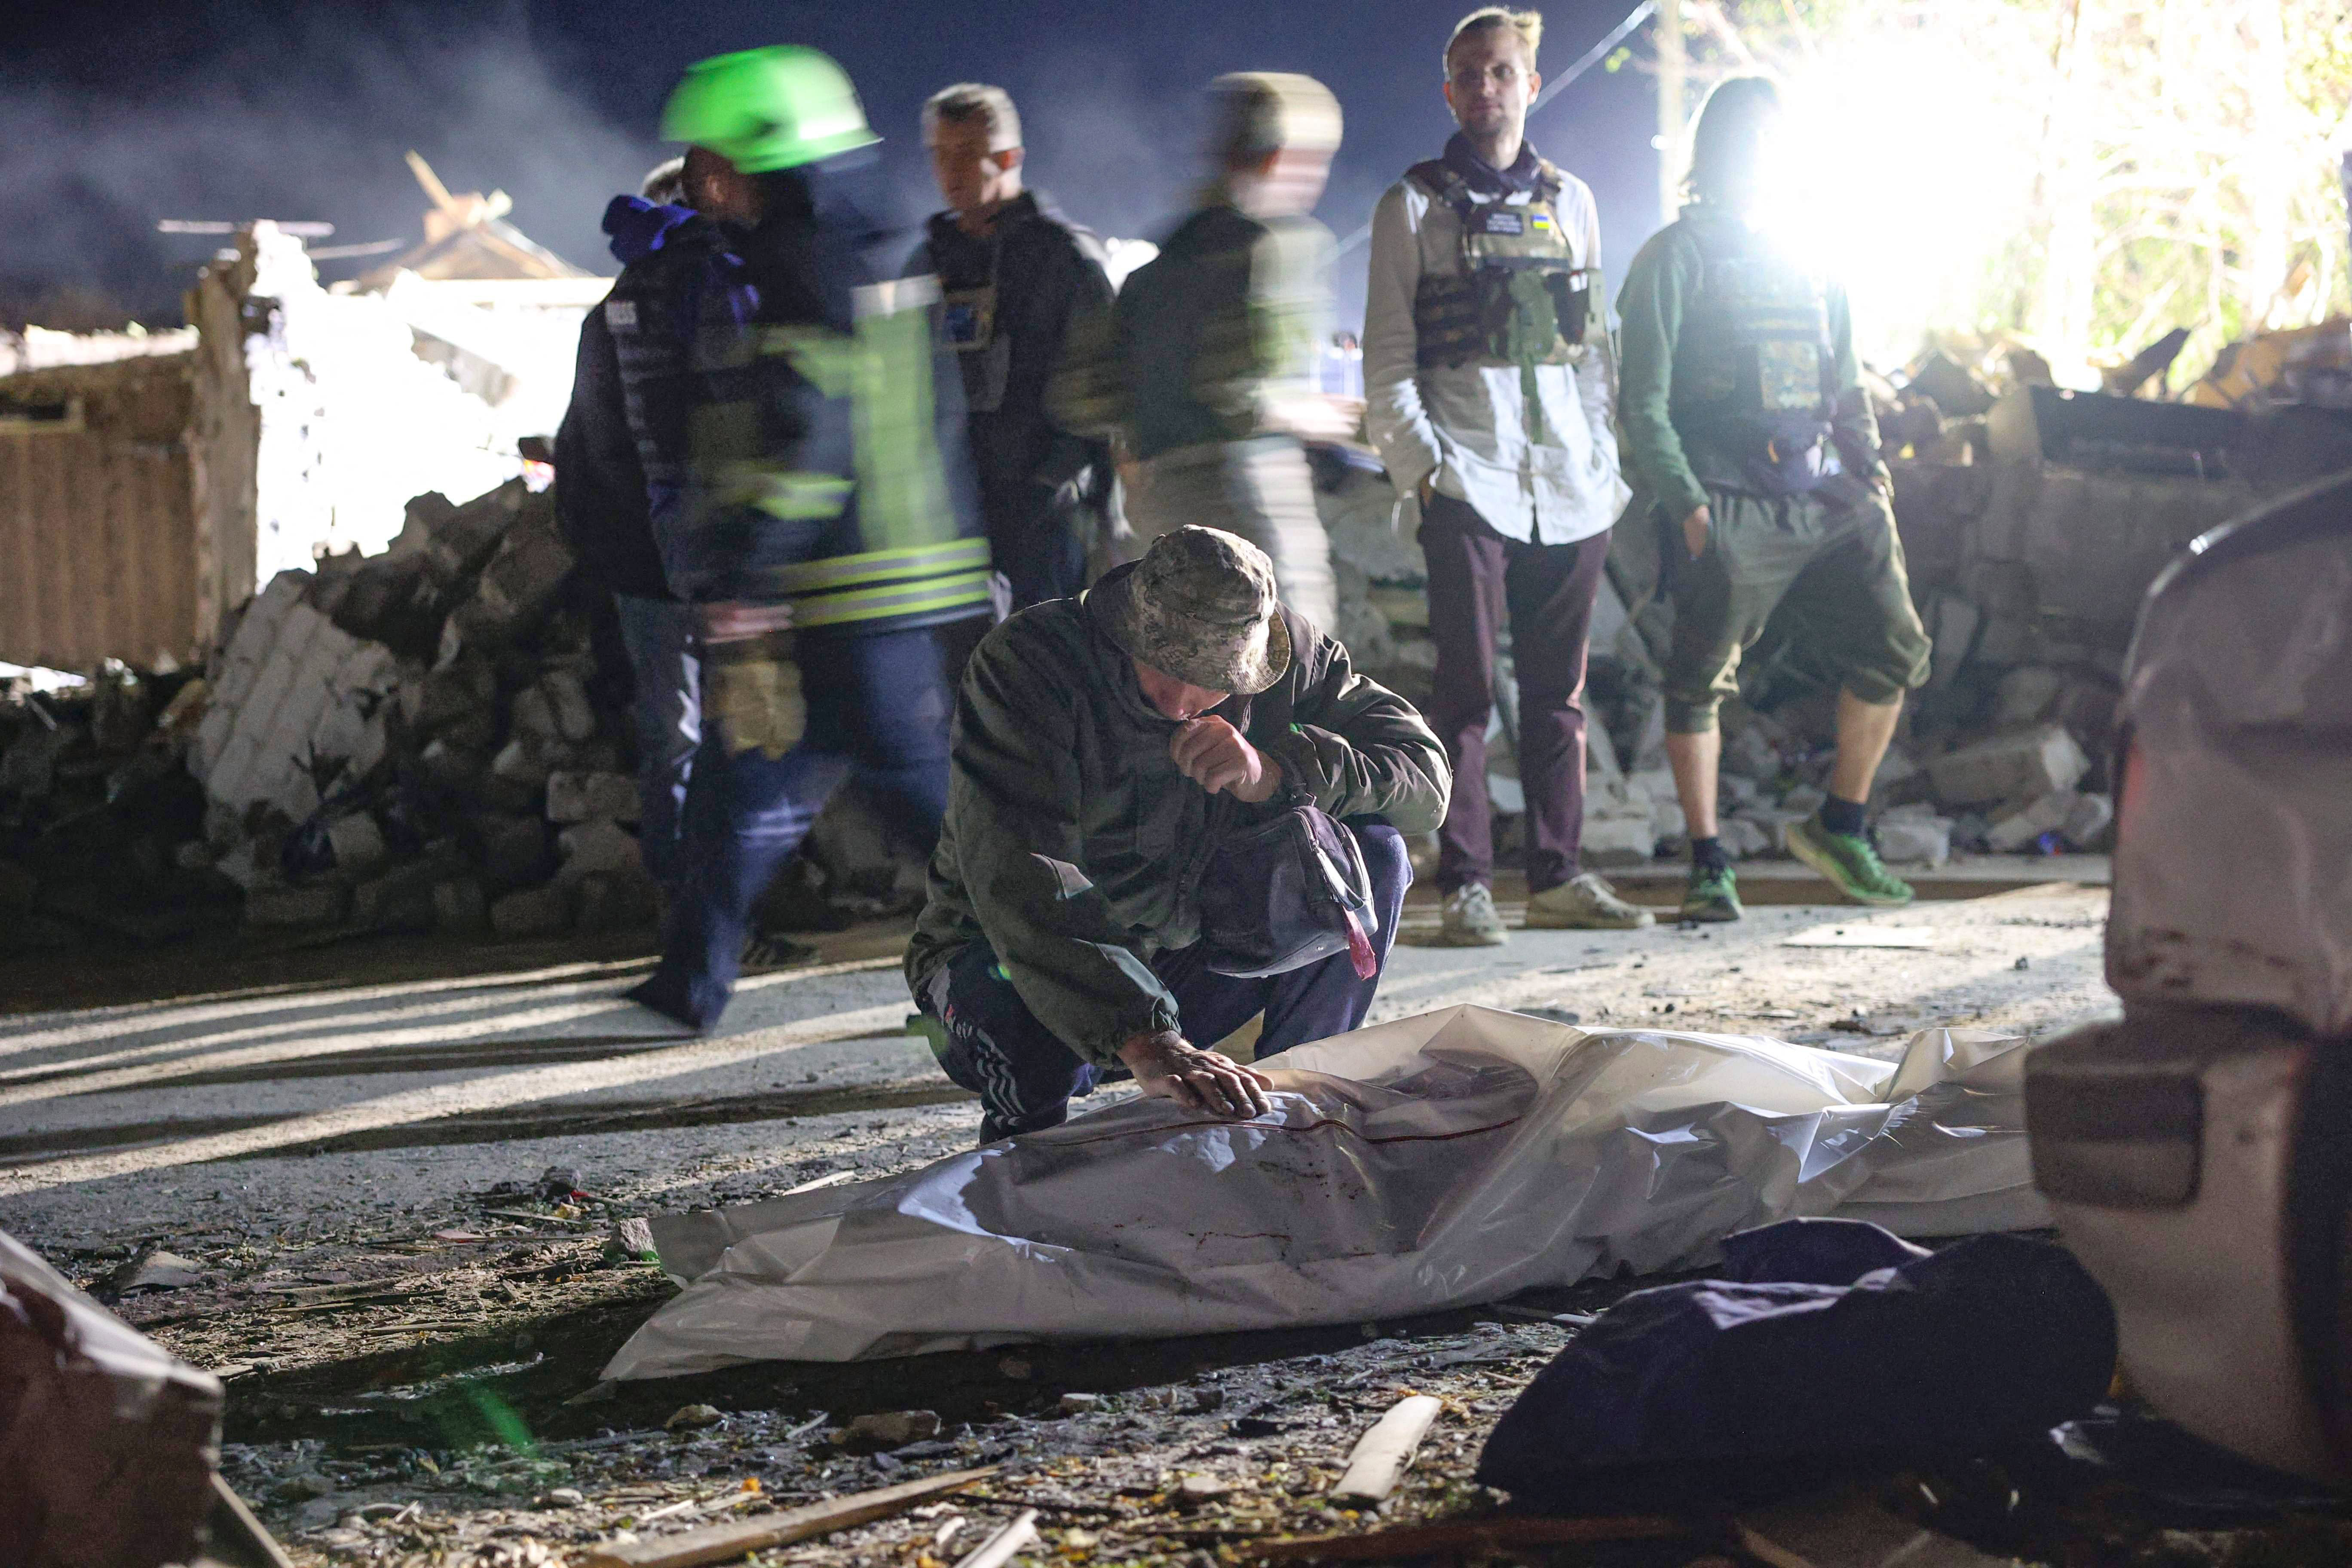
877, 706
1025, 1075
660, 636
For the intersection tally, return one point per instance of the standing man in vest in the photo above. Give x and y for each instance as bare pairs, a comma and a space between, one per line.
1746, 416
1015, 272
1206, 368
829, 522
1487, 375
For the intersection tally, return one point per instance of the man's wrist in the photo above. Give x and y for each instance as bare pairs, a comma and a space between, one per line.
1157, 1042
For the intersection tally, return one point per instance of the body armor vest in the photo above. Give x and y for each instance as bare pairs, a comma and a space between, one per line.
1518, 298
1761, 392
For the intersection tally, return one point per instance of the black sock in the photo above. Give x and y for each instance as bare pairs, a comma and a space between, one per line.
1843, 816
1707, 855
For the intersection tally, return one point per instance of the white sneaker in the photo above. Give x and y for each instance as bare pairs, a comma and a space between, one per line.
1588, 903
1468, 918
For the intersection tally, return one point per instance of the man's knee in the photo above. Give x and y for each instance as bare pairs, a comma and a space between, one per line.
990, 1043
1387, 861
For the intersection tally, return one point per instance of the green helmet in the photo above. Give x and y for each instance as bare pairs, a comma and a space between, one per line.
768, 109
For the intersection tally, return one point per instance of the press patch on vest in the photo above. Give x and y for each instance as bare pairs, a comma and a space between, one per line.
1068, 879
621, 315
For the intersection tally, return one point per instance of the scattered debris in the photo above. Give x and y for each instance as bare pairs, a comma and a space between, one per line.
893, 1430
725, 1543
1913, 937
1382, 1455
688, 1417
1007, 1543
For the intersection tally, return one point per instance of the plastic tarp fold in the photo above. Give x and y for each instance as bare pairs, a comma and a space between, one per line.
1451, 1158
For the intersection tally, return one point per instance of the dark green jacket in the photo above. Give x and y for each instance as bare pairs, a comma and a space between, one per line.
1074, 848
1228, 313
1660, 364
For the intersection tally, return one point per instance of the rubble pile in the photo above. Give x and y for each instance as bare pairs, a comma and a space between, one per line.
418, 740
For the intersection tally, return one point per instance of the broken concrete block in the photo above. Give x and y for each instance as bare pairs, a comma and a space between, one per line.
591, 798
1618, 841
357, 842
533, 719
1804, 800
317, 904
895, 1428
567, 700
631, 1241
534, 912
2087, 824
614, 901
1915, 841
2024, 696
1666, 820
1773, 823
400, 900
1735, 790
519, 763
2022, 828
514, 849
460, 907
597, 847
2025, 765
1743, 840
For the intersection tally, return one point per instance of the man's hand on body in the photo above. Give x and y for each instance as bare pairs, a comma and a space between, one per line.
1216, 756
1169, 1066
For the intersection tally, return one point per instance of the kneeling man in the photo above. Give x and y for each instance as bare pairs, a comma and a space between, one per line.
1104, 747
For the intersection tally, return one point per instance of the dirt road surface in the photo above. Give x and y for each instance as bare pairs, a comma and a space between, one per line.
393, 1184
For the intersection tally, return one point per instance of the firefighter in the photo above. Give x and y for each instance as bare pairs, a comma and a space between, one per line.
1744, 411
828, 520
1488, 383
1014, 272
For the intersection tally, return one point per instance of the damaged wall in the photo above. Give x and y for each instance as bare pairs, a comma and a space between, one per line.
97, 534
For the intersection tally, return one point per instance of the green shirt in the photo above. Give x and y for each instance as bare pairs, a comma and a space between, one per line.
1075, 847
1227, 314
1659, 360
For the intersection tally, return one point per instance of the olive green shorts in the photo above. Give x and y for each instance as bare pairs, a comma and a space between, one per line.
1842, 560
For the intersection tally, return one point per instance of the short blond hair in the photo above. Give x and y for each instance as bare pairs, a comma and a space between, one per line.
1527, 24
974, 102
1254, 113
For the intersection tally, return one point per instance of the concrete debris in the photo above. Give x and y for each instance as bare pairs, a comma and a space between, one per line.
2031, 825
591, 798
2087, 824
893, 1429
2024, 766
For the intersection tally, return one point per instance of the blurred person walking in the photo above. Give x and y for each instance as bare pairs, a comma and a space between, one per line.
828, 519
606, 511
1745, 413
1488, 391
1015, 272
1206, 368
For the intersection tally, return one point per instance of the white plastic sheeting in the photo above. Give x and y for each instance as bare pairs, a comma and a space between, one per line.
1456, 1157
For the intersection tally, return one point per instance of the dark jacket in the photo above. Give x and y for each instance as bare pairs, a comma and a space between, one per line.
1046, 271
831, 469
1075, 847
1666, 370
1227, 314
601, 494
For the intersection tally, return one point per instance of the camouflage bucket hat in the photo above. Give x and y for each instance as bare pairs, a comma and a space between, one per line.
1200, 606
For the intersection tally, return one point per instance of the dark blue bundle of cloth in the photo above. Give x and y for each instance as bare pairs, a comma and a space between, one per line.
1822, 1343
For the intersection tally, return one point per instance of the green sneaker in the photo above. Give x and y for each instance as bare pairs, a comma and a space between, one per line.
1849, 860
1712, 898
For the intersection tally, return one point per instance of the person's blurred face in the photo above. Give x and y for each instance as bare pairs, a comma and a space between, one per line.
1288, 182
1175, 699
1489, 83
717, 187
971, 179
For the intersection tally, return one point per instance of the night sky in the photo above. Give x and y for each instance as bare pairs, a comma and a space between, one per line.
114, 116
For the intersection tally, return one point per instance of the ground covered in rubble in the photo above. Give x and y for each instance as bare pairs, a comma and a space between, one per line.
382, 1209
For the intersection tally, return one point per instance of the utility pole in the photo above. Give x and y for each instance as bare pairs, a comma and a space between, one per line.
1670, 109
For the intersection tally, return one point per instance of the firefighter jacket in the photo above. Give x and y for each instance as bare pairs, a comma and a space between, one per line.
1739, 370
1486, 366
828, 461
1075, 847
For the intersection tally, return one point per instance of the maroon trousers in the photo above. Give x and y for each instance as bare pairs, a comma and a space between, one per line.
1475, 575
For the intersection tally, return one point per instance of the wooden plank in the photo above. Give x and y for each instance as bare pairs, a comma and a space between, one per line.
724, 1543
